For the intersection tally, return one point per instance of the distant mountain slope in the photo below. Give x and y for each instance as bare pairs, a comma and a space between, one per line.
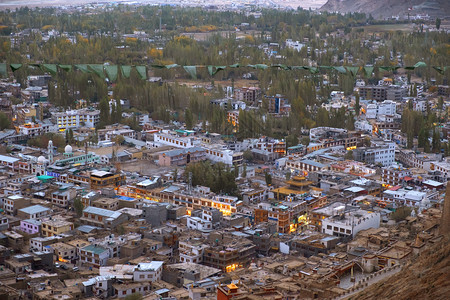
388, 8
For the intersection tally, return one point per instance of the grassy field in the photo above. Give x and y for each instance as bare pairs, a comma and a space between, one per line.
387, 28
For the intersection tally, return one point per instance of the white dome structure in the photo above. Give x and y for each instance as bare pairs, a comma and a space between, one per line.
68, 149
41, 159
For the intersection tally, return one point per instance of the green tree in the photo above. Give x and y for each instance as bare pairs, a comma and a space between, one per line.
104, 113
436, 141
401, 213
188, 119
357, 105
248, 156
268, 178
175, 175
135, 296
244, 171
349, 155
78, 205
438, 23
5, 123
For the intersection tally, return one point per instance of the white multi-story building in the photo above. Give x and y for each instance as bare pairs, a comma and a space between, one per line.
33, 129
228, 157
394, 175
385, 108
191, 251
406, 197
348, 223
148, 271
295, 45
77, 118
379, 153
175, 141
197, 223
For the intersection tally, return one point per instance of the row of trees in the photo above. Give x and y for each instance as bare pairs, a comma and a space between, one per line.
218, 177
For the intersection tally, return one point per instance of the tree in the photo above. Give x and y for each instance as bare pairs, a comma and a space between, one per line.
135, 296
401, 213
248, 156
349, 155
4, 121
268, 178
438, 23
104, 113
189, 119
175, 175
119, 139
436, 141
78, 205
244, 171
357, 105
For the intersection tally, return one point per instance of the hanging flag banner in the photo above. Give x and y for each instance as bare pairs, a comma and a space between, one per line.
126, 71
299, 68
51, 68
191, 70
368, 71
111, 72
15, 67
213, 71
66, 68
142, 71
258, 66
3, 70
83, 68
97, 69
353, 70
284, 67
340, 69
389, 69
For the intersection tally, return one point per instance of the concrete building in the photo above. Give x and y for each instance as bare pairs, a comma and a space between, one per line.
228, 157
197, 223
348, 222
33, 212
102, 179
406, 197
13, 203
175, 141
102, 217
394, 175
181, 157
54, 226
73, 119
95, 256
148, 271
30, 226
379, 153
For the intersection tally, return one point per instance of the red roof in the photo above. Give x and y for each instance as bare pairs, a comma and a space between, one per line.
394, 188
407, 178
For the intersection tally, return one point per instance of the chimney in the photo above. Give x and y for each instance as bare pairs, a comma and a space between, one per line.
445, 219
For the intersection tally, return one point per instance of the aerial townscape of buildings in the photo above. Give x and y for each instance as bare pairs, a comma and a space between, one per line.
156, 207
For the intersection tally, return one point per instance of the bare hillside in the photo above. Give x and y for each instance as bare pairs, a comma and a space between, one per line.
427, 277
388, 8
